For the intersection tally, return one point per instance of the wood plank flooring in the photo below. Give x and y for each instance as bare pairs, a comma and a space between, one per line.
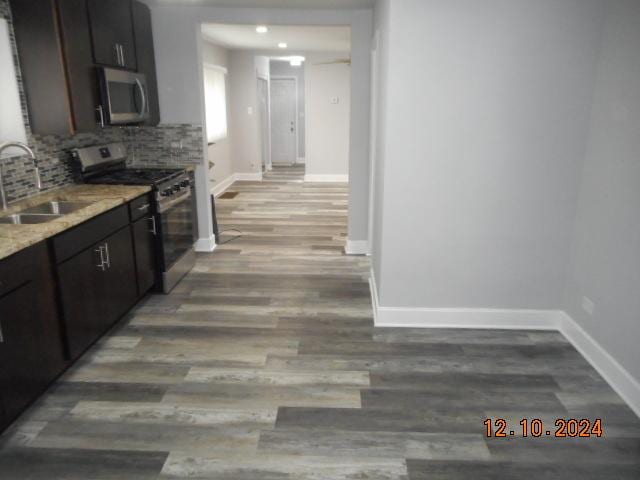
264, 364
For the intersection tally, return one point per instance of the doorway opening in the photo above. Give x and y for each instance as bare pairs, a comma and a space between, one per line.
288, 97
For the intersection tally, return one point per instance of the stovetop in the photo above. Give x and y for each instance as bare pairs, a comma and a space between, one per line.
136, 176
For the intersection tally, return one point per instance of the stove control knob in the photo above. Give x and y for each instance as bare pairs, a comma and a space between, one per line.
177, 187
167, 193
185, 183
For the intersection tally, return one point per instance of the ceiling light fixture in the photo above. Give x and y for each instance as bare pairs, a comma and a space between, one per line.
262, 29
296, 61
282, 45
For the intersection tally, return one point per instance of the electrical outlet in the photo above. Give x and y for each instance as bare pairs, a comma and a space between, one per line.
250, 110
588, 306
335, 100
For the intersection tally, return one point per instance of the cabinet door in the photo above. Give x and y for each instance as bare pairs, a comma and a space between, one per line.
83, 292
31, 351
146, 57
112, 33
42, 67
120, 275
144, 246
80, 70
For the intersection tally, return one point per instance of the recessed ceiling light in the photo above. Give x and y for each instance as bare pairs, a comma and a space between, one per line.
296, 61
261, 29
282, 45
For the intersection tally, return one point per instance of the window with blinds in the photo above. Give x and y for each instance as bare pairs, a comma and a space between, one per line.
215, 98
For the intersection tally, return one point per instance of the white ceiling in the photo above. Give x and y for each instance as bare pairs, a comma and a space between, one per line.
298, 38
320, 4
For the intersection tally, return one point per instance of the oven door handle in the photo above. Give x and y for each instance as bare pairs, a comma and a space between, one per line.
143, 96
163, 207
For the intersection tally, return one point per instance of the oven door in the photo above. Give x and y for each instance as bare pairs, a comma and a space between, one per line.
124, 97
176, 227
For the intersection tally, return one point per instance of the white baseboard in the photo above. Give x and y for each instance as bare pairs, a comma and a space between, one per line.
326, 178
615, 374
205, 244
248, 177
223, 185
357, 247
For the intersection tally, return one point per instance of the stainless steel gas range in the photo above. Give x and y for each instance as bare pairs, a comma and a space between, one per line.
172, 213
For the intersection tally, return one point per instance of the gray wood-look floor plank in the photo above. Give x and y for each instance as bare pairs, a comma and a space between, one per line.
264, 363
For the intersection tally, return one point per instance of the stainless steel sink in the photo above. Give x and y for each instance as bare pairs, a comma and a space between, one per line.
27, 218
59, 207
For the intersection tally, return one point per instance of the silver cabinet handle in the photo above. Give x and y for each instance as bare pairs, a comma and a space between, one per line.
106, 251
100, 115
144, 207
116, 50
153, 226
122, 56
101, 266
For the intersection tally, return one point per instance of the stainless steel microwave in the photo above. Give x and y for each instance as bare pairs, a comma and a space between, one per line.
124, 97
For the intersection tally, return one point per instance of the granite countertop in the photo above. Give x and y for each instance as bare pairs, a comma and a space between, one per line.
14, 238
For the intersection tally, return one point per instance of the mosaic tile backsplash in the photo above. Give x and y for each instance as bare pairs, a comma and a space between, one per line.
164, 145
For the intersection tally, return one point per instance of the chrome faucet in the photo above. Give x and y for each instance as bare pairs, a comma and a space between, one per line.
22, 146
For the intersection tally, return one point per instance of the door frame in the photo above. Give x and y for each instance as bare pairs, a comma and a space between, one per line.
269, 165
295, 82
373, 134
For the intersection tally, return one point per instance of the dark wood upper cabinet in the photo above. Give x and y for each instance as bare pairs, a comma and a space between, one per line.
42, 66
112, 33
82, 83
146, 57
54, 46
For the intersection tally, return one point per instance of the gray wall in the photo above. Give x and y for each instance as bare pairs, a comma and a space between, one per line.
484, 131
284, 69
246, 145
178, 57
605, 264
327, 123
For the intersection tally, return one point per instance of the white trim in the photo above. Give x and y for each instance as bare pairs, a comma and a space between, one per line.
374, 296
615, 374
248, 177
222, 187
519, 319
205, 245
300, 160
326, 178
356, 247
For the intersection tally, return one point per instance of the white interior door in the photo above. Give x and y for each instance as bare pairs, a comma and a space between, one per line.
283, 120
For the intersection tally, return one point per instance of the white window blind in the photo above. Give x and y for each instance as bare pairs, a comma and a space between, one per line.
215, 98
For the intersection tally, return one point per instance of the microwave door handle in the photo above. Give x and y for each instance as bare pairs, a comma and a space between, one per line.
143, 108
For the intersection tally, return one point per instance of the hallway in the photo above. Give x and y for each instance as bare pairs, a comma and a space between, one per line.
264, 364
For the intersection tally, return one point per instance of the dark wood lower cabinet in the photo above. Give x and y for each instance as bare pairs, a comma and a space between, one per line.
31, 353
102, 266
144, 244
97, 287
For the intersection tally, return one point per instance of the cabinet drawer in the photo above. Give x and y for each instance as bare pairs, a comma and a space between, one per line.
140, 207
21, 267
92, 231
